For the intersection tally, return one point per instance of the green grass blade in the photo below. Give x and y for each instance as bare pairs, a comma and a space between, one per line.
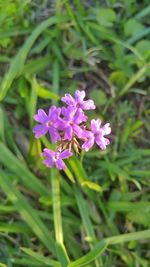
14, 228
62, 254
17, 63
139, 36
27, 212
134, 79
45, 94
81, 175
141, 235
13, 164
60, 248
56, 206
143, 13
33, 100
26, 262
41, 258
99, 248
122, 206
91, 256
82, 205
83, 209
56, 78
77, 169
2, 125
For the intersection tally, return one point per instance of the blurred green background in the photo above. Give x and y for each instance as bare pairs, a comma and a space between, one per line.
48, 48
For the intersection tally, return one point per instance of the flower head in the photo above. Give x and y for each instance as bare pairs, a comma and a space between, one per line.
78, 101
99, 133
72, 118
48, 123
55, 158
68, 125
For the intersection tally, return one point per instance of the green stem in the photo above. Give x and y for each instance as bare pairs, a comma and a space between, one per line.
56, 206
60, 248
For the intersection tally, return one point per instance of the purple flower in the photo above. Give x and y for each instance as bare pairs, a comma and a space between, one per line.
99, 133
48, 123
55, 158
78, 100
88, 138
72, 119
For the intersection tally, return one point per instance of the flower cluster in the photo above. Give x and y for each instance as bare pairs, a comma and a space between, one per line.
68, 126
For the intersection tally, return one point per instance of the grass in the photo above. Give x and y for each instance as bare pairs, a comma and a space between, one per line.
96, 213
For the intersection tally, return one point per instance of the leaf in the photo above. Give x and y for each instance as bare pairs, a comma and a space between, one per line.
78, 169
29, 215
140, 217
143, 13
91, 256
69, 175
98, 96
92, 185
17, 64
105, 17
84, 213
138, 36
36, 65
46, 94
33, 100
56, 201
144, 47
62, 254
118, 78
132, 27
139, 235
122, 206
14, 228
25, 262
41, 258
138, 75
12, 163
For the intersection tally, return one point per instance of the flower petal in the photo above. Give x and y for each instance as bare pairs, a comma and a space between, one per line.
48, 162
95, 125
54, 112
68, 133
88, 144
39, 130
55, 136
88, 104
106, 129
60, 164
79, 96
102, 142
41, 116
77, 130
48, 152
79, 116
68, 99
65, 154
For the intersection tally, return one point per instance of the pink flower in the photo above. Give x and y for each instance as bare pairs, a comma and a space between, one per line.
48, 123
68, 125
72, 119
55, 158
78, 101
99, 133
